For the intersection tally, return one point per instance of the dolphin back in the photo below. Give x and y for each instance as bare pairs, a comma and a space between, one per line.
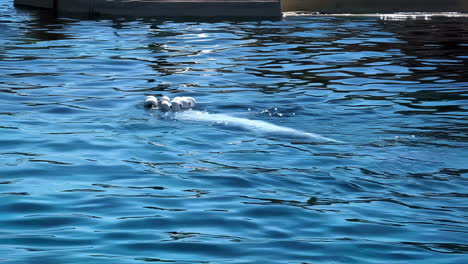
256, 126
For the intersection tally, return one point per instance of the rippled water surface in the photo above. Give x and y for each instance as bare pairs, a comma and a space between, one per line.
89, 176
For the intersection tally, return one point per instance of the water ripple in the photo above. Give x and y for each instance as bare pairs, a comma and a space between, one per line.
86, 170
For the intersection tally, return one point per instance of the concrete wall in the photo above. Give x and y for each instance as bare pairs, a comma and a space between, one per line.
172, 8
375, 6
36, 3
141, 8
146, 8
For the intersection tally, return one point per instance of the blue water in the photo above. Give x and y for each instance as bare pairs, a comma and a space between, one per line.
89, 176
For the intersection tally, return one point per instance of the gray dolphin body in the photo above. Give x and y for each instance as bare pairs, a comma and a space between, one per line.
251, 125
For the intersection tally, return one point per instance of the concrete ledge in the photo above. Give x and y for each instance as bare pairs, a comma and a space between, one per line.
241, 8
375, 6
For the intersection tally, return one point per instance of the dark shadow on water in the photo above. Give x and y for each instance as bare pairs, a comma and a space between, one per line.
43, 24
439, 43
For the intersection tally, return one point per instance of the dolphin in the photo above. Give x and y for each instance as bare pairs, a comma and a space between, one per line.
181, 109
256, 126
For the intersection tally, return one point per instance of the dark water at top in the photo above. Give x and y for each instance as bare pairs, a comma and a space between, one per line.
89, 176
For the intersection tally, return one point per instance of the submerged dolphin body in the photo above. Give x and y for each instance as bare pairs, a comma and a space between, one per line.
251, 125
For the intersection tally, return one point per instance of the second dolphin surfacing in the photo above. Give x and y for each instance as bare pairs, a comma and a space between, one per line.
252, 125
